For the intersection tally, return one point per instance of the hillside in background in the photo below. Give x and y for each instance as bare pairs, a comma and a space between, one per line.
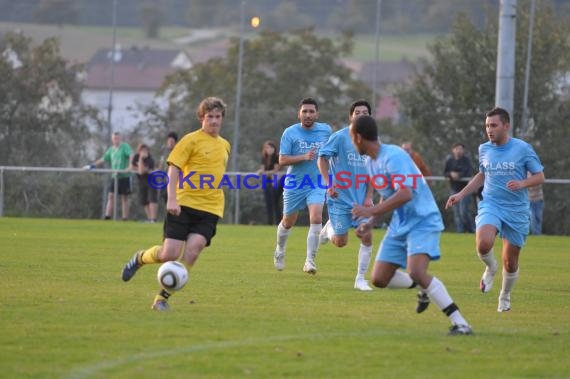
79, 43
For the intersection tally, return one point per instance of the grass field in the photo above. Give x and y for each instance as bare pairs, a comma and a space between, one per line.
65, 313
79, 43
392, 47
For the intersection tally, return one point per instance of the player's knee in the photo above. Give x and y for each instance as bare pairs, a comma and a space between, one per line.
510, 265
417, 275
483, 246
379, 281
340, 241
169, 254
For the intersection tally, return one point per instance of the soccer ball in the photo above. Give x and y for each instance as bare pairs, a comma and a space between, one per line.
172, 276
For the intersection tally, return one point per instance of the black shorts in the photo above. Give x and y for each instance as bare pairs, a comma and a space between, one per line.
190, 221
147, 194
123, 184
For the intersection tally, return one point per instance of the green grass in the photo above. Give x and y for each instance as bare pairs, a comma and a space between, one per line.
392, 47
65, 313
79, 43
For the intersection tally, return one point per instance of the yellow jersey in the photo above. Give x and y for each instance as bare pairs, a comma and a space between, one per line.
202, 161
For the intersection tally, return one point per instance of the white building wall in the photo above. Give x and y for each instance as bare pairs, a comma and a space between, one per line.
125, 112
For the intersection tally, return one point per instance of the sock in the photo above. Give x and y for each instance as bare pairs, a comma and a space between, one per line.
489, 260
150, 255
400, 280
363, 260
313, 241
509, 280
282, 236
329, 230
439, 295
163, 295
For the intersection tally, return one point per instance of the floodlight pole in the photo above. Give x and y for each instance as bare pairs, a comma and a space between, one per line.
505, 84
377, 57
524, 124
110, 105
235, 143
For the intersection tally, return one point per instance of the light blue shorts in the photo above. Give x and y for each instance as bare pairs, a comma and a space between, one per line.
396, 250
513, 229
342, 222
295, 200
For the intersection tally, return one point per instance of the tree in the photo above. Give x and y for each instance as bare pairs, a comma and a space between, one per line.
152, 17
278, 71
43, 123
448, 98
40, 109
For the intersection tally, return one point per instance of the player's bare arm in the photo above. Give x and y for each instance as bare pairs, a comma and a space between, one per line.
369, 198
172, 206
474, 184
287, 160
532, 180
399, 198
323, 164
365, 227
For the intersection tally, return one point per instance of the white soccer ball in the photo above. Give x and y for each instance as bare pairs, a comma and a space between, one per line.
172, 276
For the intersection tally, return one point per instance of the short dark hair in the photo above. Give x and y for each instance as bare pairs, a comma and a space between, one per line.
309, 100
366, 127
172, 135
502, 113
360, 103
458, 144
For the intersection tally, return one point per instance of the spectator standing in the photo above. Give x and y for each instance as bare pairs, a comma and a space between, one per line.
171, 140
458, 167
536, 197
271, 190
143, 164
118, 157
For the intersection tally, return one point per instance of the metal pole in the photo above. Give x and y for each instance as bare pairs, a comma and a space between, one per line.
505, 86
111, 89
112, 67
377, 56
235, 150
524, 124
115, 195
1, 192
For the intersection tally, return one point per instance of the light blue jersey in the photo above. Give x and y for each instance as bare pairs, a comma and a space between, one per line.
301, 186
345, 164
392, 169
506, 210
501, 164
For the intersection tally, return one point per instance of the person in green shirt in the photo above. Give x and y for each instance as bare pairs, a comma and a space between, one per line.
118, 157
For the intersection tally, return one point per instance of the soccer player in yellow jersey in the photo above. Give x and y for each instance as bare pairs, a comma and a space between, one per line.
196, 167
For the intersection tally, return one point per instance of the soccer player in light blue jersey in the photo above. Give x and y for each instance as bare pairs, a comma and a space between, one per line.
504, 163
339, 159
412, 238
302, 187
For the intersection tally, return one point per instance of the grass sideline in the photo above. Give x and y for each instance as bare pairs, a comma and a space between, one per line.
65, 313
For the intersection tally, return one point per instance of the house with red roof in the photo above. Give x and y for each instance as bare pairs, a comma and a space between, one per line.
133, 75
